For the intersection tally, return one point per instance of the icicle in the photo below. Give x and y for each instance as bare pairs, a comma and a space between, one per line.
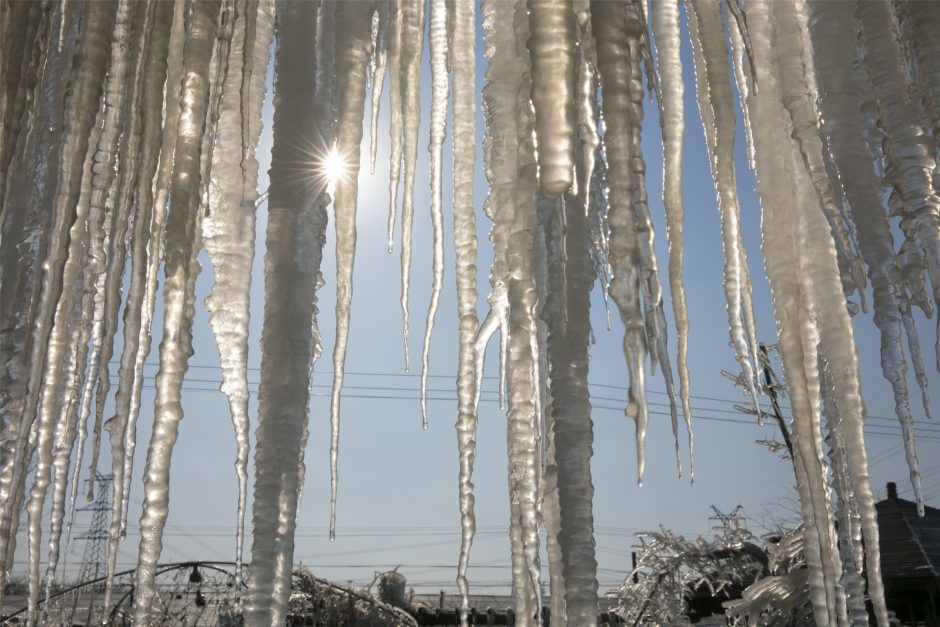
917, 360
654, 316
25, 36
462, 48
920, 24
78, 278
382, 29
522, 434
22, 252
717, 111
568, 320
587, 128
412, 45
909, 151
833, 40
671, 90
796, 81
89, 67
126, 62
499, 164
228, 230
296, 232
152, 202
180, 269
351, 65
81, 273
553, 33
395, 114
66, 432
852, 601
609, 20
803, 271
438, 47
152, 66
788, 271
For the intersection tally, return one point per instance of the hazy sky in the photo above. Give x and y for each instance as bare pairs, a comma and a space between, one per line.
398, 484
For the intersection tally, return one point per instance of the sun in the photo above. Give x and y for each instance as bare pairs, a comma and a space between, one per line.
333, 168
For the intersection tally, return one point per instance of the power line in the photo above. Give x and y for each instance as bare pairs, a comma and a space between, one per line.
923, 433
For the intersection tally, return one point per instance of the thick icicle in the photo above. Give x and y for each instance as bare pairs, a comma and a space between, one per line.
412, 45
89, 68
553, 33
920, 24
796, 82
144, 118
503, 74
152, 202
77, 277
850, 548
833, 36
465, 245
671, 89
437, 39
522, 416
31, 189
716, 105
296, 232
180, 268
803, 271
228, 231
569, 328
610, 23
126, 63
352, 57
909, 151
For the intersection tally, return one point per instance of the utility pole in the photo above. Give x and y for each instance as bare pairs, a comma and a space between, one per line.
771, 386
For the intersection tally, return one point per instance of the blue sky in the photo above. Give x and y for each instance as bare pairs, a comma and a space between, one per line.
398, 484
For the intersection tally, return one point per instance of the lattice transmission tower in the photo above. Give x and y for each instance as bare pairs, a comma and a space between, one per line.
96, 538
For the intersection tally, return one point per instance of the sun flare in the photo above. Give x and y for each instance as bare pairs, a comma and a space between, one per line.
333, 168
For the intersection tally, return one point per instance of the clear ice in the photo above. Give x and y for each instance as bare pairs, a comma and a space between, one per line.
128, 144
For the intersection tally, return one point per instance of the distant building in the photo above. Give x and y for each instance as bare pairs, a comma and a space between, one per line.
910, 559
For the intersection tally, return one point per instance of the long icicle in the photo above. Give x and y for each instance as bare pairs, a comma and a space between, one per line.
654, 315
180, 268
22, 252
383, 31
412, 45
717, 110
796, 294
154, 198
465, 245
437, 39
833, 35
665, 24
395, 115
569, 328
353, 50
522, 418
120, 131
796, 81
228, 231
89, 67
609, 21
295, 233
909, 151
143, 129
